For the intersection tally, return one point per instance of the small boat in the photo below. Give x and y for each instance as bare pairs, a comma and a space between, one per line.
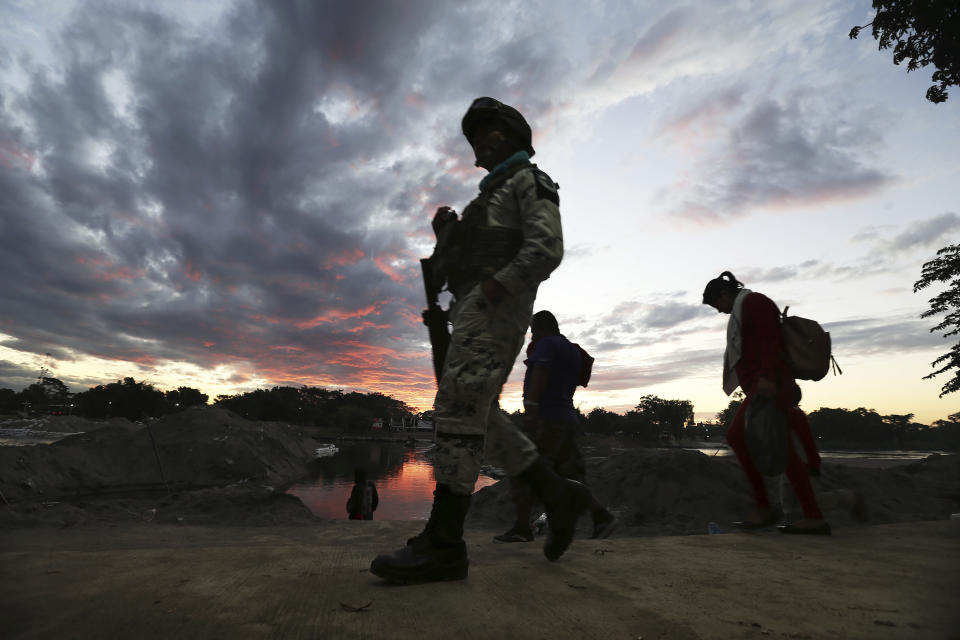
326, 450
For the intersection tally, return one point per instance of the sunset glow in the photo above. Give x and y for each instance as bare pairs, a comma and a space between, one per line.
255, 218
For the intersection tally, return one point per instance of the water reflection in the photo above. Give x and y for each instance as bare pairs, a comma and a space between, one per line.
403, 475
871, 459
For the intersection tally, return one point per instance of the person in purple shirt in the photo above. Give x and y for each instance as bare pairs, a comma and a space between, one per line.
555, 366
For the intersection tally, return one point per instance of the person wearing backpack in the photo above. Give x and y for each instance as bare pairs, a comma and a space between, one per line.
555, 368
363, 499
755, 361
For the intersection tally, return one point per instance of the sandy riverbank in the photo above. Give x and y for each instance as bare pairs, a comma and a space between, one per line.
221, 469
93, 544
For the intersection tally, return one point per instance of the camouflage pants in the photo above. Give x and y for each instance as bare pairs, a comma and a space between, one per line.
485, 342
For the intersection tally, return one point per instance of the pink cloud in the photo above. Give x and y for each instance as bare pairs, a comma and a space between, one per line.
383, 262
12, 156
337, 315
344, 258
121, 273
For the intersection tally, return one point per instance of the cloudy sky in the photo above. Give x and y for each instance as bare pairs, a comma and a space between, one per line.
233, 195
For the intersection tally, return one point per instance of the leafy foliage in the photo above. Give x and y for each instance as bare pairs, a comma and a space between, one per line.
8, 401
125, 398
846, 426
603, 421
866, 428
944, 268
135, 400
649, 421
922, 32
663, 416
725, 417
313, 405
184, 397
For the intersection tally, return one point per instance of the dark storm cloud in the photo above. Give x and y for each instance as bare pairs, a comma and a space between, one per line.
15, 376
924, 233
777, 153
635, 324
805, 269
876, 336
253, 191
678, 366
705, 112
886, 252
857, 337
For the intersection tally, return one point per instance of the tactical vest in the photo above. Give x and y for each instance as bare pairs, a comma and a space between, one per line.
471, 250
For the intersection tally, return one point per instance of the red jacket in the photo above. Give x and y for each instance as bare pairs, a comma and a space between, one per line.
763, 355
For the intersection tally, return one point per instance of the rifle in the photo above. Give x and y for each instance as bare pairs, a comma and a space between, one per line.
435, 318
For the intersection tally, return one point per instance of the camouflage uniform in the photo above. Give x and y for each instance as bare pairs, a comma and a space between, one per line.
486, 339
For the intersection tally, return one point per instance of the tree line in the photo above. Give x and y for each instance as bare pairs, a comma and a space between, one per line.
653, 421
861, 427
317, 406
135, 400
125, 398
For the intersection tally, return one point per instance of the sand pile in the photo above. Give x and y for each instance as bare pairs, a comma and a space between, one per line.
200, 447
244, 505
675, 491
223, 469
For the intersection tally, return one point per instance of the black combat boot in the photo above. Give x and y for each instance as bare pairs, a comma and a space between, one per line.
438, 552
563, 499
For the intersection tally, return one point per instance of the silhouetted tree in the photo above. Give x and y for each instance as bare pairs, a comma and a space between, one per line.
33, 396
603, 421
183, 397
948, 431
953, 418
852, 427
655, 415
354, 418
312, 405
39, 395
125, 398
901, 425
725, 417
922, 32
945, 268
57, 392
666, 415
8, 401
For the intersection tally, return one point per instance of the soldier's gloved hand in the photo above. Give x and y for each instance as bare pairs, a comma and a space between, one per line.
443, 216
493, 291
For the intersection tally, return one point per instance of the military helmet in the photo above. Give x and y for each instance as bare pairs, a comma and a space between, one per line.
486, 109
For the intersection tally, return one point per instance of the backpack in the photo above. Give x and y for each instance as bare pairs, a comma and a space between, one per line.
807, 347
355, 502
586, 366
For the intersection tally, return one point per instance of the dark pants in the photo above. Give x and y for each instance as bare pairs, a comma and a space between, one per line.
557, 444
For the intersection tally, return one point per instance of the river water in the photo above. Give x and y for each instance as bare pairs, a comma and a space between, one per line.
403, 475
872, 459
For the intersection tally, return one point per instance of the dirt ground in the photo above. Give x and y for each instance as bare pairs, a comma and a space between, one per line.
95, 543
166, 581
